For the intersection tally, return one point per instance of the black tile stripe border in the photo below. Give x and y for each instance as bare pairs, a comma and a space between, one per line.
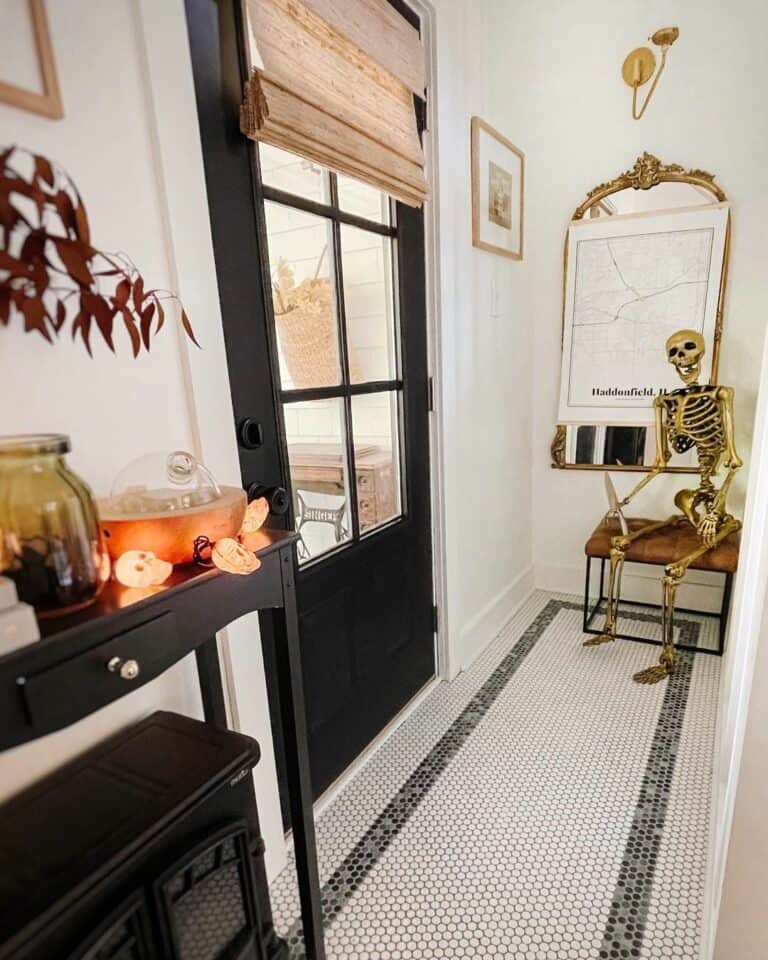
628, 915
358, 863
348, 876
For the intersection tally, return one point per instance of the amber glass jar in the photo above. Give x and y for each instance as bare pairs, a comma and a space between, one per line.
50, 543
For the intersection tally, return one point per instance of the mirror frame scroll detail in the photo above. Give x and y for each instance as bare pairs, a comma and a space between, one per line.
647, 172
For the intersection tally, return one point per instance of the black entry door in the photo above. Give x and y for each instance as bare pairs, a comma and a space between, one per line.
321, 281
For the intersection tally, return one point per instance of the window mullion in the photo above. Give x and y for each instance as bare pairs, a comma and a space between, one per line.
344, 357
330, 210
341, 390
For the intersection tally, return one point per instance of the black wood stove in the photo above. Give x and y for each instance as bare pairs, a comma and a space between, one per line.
147, 846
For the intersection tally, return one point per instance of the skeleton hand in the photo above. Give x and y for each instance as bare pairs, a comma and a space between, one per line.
708, 526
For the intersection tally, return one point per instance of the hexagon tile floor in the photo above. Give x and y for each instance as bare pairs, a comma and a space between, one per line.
541, 806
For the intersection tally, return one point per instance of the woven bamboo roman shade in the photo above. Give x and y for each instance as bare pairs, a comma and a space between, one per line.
333, 81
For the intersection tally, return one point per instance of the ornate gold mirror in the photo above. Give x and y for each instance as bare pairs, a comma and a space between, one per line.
646, 254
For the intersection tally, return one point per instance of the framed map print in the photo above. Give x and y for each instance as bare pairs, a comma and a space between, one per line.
497, 192
630, 282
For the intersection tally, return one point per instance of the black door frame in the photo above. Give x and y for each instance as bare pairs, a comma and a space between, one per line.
227, 158
242, 289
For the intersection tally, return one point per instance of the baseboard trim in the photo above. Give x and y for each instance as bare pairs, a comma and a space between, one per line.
331, 792
700, 590
486, 625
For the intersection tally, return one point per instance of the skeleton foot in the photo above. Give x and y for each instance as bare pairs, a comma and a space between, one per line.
652, 674
595, 641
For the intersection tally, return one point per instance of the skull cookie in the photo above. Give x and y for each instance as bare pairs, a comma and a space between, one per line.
232, 557
141, 568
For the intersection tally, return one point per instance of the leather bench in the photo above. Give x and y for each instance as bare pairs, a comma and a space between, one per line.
660, 548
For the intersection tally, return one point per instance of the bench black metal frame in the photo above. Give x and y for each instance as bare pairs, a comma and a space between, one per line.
590, 612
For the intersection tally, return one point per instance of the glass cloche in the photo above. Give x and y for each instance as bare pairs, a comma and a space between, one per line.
163, 483
165, 502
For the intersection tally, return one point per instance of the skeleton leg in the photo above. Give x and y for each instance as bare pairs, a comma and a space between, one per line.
619, 547
618, 550
673, 574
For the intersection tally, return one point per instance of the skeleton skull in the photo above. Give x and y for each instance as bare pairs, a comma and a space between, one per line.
684, 351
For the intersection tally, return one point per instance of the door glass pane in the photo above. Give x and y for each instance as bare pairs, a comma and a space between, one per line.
319, 474
377, 457
303, 297
366, 260
286, 171
362, 201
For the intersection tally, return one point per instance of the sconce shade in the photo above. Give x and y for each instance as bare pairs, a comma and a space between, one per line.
665, 37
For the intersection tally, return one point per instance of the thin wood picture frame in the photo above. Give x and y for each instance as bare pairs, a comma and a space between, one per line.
514, 219
48, 103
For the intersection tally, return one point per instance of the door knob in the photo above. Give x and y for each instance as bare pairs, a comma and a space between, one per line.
276, 497
125, 669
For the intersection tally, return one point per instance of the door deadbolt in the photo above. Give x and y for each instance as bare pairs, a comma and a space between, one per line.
250, 433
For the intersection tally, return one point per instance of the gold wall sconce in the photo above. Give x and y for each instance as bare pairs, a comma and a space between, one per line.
639, 66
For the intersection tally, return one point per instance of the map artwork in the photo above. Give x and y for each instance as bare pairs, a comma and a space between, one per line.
631, 282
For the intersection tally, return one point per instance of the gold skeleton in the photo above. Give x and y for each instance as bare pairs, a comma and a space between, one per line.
691, 416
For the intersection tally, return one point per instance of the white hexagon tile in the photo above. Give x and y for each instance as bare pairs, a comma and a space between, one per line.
542, 806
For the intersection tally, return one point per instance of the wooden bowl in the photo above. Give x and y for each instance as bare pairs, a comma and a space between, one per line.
171, 536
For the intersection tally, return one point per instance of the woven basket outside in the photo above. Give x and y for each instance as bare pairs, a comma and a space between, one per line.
307, 334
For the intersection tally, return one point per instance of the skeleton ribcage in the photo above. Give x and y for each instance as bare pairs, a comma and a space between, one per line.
700, 424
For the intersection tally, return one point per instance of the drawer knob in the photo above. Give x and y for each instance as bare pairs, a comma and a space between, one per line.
126, 669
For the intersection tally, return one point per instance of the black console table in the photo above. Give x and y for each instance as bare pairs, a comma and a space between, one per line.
129, 636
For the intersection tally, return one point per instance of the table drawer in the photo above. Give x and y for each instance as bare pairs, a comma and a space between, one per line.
64, 693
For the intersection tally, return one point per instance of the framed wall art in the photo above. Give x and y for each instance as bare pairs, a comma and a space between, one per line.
630, 282
498, 172
28, 77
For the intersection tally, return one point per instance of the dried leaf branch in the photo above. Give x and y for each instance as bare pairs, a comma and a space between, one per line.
51, 275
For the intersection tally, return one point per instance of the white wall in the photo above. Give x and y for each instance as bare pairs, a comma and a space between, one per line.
486, 342
556, 73
132, 147
741, 834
